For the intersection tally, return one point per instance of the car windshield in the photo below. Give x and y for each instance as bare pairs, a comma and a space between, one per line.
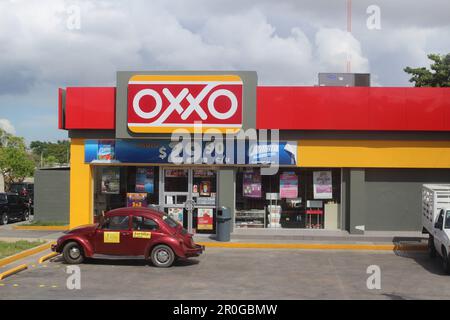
3, 198
447, 219
16, 188
170, 222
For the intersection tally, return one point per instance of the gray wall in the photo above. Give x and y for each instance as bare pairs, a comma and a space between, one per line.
51, 195
389, 199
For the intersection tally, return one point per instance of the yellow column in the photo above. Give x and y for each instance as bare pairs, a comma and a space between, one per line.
80, 186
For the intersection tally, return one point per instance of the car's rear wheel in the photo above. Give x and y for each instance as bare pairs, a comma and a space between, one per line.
431, 248
4, 219
73, 253
162, 256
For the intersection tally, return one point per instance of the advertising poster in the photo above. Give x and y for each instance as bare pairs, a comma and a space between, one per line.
204, 219
135, 199
288, 185
176, 214
166, 151
111, 180
144, 180
252, 184
205, 188
323, 185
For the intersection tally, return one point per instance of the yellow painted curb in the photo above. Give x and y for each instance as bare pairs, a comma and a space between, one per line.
12, 271
47, 256
25, 254
41, 228
317, 246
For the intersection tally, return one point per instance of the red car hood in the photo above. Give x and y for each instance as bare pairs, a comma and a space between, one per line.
88, 228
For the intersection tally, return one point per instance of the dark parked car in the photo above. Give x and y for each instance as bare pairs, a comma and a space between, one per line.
132, 233
13, 207
26, 191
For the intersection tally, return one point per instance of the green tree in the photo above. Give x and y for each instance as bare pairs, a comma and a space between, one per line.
15, 162
50, 153
438, 76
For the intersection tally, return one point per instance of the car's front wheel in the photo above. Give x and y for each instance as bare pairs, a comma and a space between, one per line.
162, 256
431, 248
73, 253
4, 219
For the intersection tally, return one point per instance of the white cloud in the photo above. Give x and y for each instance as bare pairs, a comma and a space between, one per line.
334, 46
6, 125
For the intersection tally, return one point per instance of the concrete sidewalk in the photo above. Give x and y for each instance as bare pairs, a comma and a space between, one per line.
318, 236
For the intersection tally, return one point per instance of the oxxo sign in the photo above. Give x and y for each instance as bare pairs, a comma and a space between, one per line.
163, 103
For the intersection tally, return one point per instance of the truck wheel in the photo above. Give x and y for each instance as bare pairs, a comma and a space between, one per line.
73, 253
4, 219
445, 261
26, 215
431, 248
162, 256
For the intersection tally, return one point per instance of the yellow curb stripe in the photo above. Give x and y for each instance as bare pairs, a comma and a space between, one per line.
42, 228
317, 246
12, 271
25, 254
47, 256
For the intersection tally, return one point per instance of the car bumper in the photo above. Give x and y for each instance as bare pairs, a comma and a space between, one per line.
54, 248
195, 252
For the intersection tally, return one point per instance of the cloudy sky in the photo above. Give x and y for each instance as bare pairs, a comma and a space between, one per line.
48, 44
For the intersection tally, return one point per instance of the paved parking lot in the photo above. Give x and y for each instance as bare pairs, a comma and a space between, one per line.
241, 274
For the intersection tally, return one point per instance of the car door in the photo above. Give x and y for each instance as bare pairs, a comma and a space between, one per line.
438, 232
145, 232
113, 237
13, 206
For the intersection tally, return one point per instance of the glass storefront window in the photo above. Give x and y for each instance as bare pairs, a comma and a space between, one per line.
292, 198
115, 186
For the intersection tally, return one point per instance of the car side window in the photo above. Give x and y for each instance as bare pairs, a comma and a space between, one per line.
116, 223
12, 199
447, 220
141, 223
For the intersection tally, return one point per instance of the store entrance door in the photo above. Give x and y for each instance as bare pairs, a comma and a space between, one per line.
189, 196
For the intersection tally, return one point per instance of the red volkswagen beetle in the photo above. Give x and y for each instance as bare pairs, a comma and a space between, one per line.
131, 233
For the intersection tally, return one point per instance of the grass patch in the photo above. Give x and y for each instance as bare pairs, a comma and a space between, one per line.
38, 223
9, 248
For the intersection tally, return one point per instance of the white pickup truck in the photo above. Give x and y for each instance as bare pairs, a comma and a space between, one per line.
436, 220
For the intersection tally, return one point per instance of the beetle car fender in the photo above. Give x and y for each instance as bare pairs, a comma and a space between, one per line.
173, 243
87, 246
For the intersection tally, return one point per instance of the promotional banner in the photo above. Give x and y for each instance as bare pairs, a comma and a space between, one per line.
144, 180
252, 183
111, 180
166, 151
323, 185
204, 218
135, 199
288, 185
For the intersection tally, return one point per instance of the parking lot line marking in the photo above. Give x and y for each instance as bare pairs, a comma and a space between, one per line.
12, 271
42, 286
2, 284
54, 286
47, 257
15, 285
